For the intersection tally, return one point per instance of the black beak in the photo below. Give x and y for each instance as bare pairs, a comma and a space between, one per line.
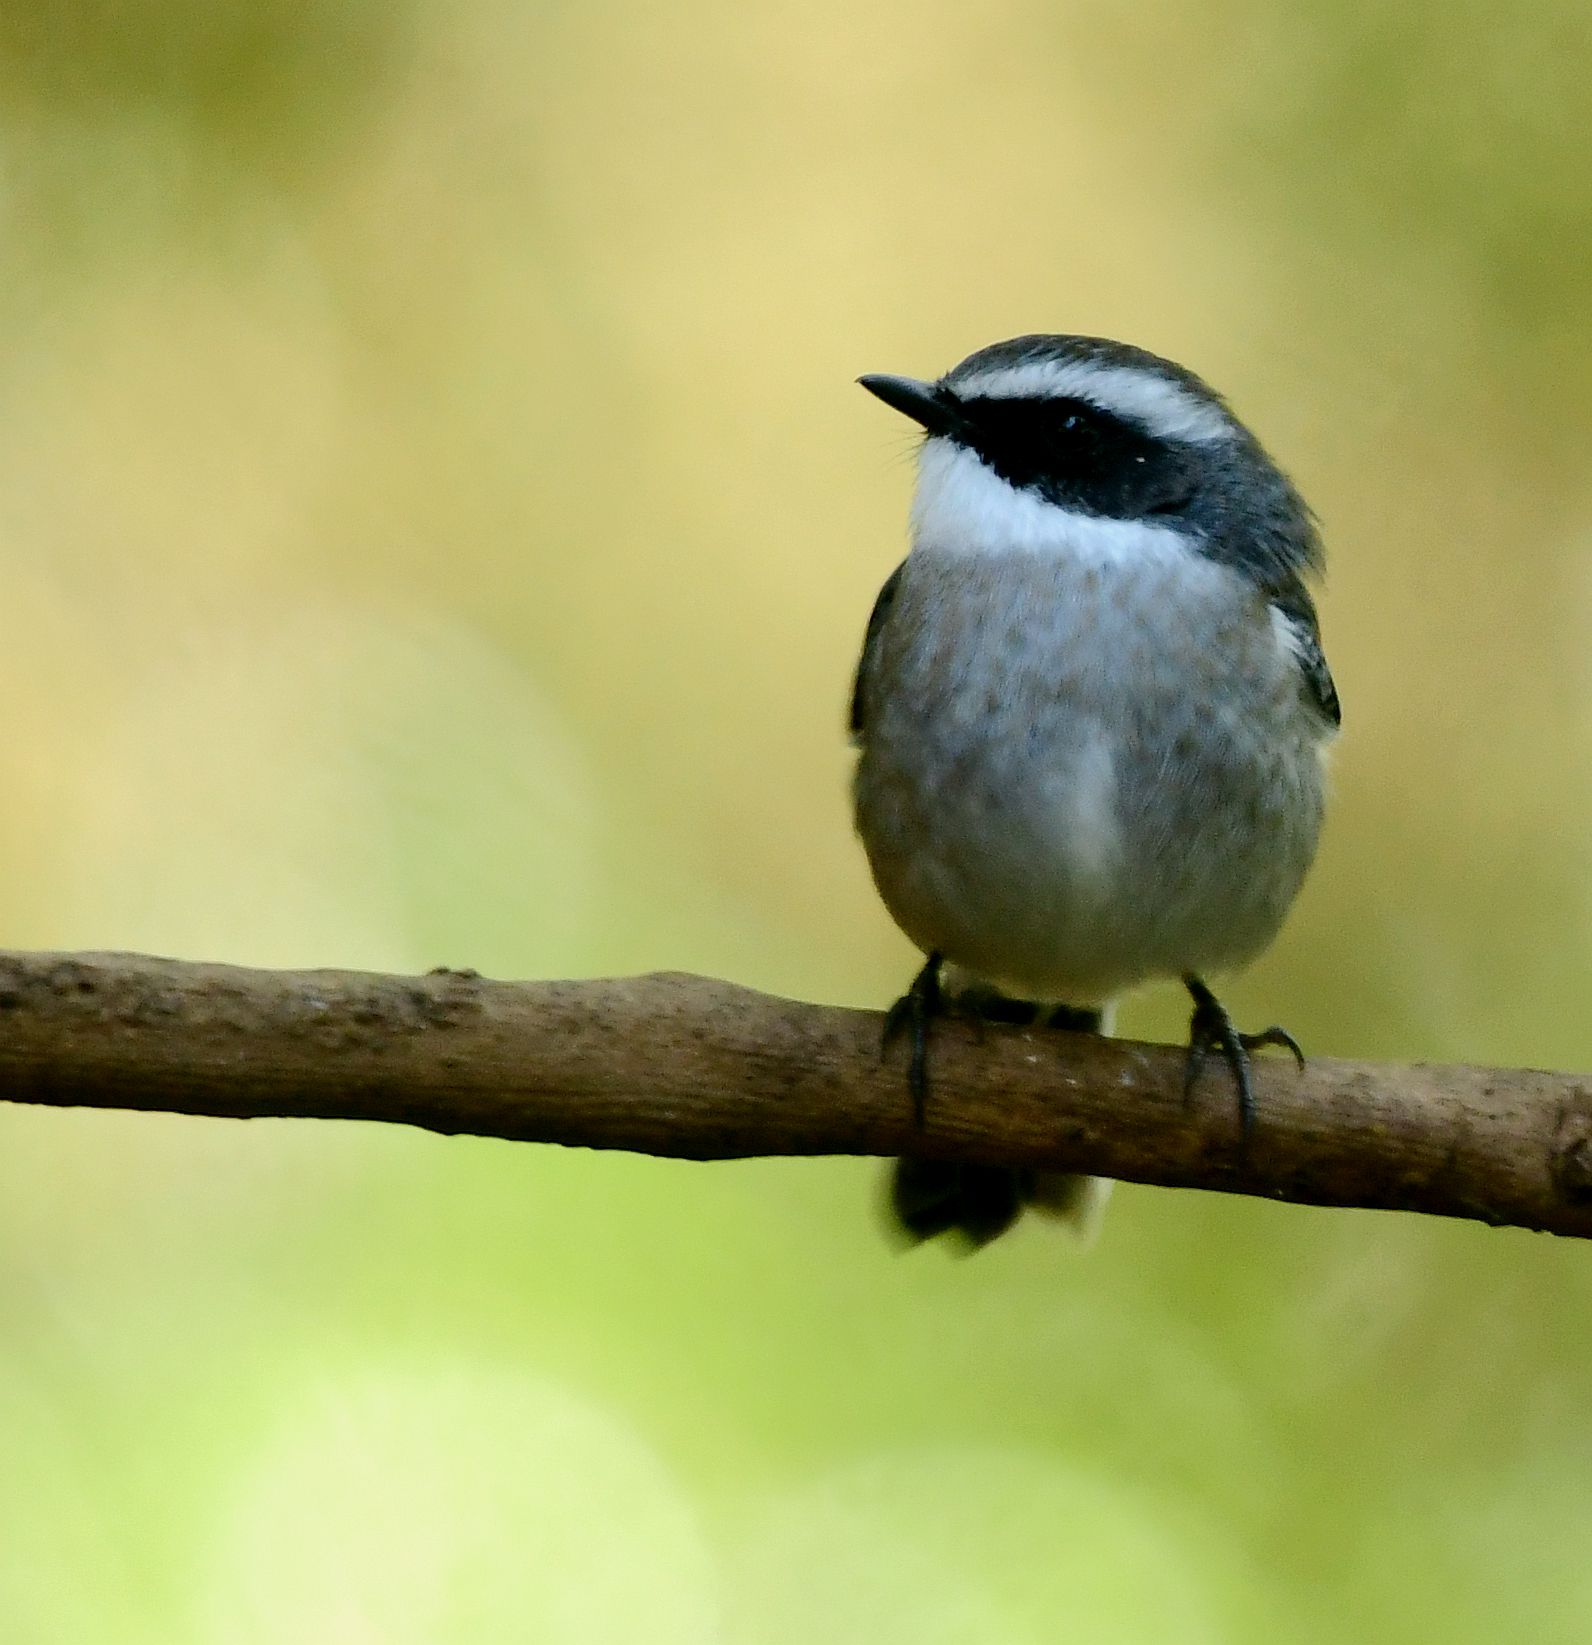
936, 408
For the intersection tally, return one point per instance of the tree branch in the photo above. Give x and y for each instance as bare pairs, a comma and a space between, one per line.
697, 1069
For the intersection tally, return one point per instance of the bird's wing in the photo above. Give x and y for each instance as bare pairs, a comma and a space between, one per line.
876, 621
1296, 605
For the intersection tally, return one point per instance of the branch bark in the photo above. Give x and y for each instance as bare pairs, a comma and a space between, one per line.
697, 1069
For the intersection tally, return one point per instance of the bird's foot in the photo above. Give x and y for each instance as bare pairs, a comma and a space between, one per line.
912, 1014
1211, 1029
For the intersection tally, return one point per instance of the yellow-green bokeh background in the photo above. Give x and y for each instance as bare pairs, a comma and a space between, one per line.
436, 522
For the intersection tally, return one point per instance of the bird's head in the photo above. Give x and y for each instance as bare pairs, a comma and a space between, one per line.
1027, 439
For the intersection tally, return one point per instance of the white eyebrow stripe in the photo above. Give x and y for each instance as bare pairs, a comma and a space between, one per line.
1162, 407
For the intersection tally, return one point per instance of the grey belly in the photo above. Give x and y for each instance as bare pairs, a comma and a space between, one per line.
1085, 799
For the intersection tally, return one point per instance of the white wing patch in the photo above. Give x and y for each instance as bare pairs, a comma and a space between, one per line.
1289, 635
1164, 408
1303, 653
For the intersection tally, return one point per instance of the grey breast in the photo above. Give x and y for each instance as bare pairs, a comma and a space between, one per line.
1077, 777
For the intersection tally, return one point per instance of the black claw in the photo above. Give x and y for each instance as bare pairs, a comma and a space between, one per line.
1075, 1019
1274, 1035
916, 1008
1211, 1029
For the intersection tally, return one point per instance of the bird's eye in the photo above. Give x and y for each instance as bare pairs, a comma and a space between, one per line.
1070, 422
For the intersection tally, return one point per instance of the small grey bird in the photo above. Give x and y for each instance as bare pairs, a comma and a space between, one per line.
1091, 711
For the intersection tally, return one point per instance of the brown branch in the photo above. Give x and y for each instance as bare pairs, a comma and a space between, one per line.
697, 1069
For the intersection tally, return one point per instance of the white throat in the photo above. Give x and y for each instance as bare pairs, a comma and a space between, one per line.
962, 506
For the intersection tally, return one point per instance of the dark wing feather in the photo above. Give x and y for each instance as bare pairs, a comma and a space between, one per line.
1300, 610
876, 621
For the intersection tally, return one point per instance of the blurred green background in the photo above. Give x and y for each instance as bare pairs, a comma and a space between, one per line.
436, 524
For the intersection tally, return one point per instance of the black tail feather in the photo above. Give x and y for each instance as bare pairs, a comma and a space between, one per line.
932, 1197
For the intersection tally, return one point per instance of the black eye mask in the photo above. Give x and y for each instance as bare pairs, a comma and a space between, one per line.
1076, 455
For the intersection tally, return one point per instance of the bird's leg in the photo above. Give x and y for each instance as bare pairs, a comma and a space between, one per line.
913, 1012
1211, 1029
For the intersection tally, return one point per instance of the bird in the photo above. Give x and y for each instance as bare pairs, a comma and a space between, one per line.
1091, 717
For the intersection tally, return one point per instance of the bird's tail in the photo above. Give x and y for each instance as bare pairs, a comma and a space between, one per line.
978, 1203
1079, 1202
